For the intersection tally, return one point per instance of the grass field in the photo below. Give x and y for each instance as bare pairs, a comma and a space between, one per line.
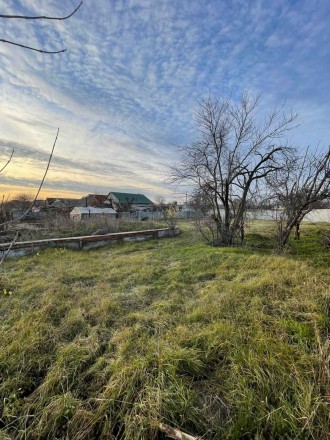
224, 343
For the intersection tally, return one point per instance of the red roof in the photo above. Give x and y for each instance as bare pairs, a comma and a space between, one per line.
100, 197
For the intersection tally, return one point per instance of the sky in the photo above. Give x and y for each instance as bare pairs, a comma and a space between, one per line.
125, 91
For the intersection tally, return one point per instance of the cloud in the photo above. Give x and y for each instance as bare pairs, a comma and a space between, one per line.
124, 93
28, 165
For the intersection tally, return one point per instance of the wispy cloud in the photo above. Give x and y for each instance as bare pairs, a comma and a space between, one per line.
124, 93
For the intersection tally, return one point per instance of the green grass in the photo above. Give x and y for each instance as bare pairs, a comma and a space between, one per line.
224, 343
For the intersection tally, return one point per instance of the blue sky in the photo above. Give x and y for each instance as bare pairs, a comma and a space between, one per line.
125, 91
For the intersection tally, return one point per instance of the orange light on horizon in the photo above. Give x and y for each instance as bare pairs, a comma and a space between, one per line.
10, 192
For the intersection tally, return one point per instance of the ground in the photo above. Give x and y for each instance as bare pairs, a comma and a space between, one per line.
226, 343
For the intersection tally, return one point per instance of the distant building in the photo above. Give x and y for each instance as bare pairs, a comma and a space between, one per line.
61, 203
129, 201
39, 202
95, 200
85, 213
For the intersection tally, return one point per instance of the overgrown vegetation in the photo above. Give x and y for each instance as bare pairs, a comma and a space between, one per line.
65, 227
226, 343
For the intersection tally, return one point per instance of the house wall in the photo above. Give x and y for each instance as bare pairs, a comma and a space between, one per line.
86, 216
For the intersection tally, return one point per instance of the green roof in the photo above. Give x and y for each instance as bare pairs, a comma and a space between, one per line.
132, 198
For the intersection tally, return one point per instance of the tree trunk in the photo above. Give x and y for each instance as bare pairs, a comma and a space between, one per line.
283, 237
225, 235
297, 231
242, 232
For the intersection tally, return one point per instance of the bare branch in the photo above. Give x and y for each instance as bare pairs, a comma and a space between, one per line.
8, 161
41, 17
37, 17
9, 249
32, 48
40, 186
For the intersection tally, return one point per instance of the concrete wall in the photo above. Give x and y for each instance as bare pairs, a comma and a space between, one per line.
316, 215
22, 248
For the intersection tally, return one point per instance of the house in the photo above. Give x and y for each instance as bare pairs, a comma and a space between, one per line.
60, 206
95, 200
39, 210
61, 203
130, 202
85, 213
40, 203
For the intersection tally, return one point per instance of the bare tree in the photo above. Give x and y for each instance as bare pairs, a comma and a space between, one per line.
233, 155
37, 17
298, 188
23, 201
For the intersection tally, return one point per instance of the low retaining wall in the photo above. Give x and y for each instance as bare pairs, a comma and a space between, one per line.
22, 248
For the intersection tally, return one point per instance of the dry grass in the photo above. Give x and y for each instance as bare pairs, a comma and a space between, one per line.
223, 343
61, 226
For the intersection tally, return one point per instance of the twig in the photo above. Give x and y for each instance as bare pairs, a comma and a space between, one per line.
175, 434
32, 48
37, 17
9, 249
12, 153
41, 17
39, 189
